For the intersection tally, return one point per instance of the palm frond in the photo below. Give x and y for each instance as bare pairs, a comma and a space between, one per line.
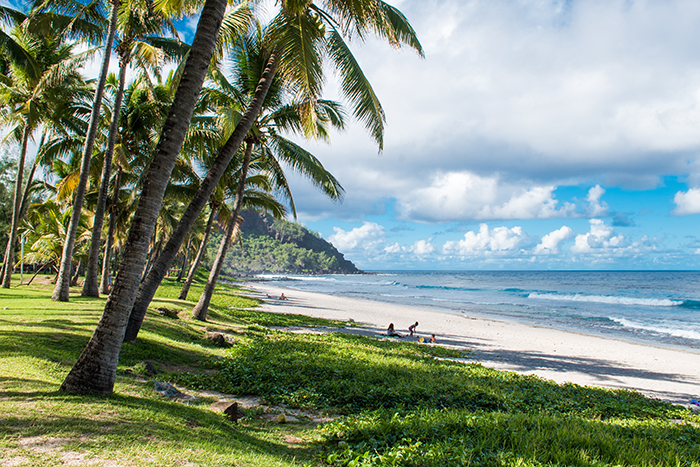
357, 88
308, 165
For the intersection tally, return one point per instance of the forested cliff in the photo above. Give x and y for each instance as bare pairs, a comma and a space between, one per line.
269, 245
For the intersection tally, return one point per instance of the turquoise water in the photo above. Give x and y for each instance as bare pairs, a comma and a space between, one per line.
658, 307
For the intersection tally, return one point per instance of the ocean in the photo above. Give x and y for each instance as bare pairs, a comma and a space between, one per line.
656, 307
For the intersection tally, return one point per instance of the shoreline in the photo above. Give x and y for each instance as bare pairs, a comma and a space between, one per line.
664, 373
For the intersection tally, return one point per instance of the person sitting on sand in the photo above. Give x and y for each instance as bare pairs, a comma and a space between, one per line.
390, 331
283, 297
432, 339
412, 328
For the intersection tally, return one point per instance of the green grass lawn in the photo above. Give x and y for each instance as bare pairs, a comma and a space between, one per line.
392, 403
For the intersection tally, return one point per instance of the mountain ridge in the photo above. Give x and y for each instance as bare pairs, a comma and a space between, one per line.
269, 245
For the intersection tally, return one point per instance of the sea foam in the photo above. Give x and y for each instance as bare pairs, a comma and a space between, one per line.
614, 300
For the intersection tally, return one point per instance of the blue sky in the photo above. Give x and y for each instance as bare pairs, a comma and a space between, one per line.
536, 134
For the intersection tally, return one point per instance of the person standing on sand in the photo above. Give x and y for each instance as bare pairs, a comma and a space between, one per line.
412, 328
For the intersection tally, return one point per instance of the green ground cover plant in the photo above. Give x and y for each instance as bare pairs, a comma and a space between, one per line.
391, 402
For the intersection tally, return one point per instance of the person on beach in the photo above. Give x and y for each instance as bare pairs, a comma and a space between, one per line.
283, 297
432, 339
390, 331
412, 328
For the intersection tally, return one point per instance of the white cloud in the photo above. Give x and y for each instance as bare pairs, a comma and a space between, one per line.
368, 237
500, 239
393, 249
595, 207
550, 242
539, 94
600, 237
422, 248
461, 196
687, 202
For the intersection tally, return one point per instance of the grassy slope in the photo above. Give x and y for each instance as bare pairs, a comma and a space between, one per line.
399, 405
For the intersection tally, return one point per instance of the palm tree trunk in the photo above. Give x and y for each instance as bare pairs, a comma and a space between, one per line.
96, 369
90, 288
16, 208
25, 196
74, 279
152, 256
206, 188
61, 290
185, 260
198, 259
200, 309
30, 177
104, 282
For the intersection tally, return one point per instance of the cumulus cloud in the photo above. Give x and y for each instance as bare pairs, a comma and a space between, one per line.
368, 237
596, 208
419, 248
550, 242
462, 196
687, 202
541, 94
422, 248
600, 237
500, 239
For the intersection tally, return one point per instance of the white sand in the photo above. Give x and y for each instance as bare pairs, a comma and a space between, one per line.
664, 373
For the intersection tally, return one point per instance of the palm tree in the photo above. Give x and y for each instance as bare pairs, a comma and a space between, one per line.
142, 114
95, 370
45, 229
61, 289
275, 117
29, 96
141, 30
257, 66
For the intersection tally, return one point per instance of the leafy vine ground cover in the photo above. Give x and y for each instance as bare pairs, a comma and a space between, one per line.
393, 403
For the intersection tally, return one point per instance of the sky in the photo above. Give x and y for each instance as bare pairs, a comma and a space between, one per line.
535, 134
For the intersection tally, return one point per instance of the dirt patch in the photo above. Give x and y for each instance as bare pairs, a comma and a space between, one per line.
14, 461
293, 440
43, 444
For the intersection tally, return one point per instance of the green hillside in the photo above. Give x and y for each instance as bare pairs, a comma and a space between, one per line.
269, 245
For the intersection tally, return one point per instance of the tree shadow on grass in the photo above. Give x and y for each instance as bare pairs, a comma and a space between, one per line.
141, 423
65, 346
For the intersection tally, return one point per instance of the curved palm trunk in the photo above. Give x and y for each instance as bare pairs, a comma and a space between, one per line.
198, 259
95, 370
30, 178
157, 273
61, 290
90, 288
185, 260
9, 260
104, 282
202, 307
25, 196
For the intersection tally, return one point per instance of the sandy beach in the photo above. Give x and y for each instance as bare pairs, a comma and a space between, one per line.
562, 356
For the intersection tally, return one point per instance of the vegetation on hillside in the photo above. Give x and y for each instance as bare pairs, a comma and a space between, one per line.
269, 245
384, 402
